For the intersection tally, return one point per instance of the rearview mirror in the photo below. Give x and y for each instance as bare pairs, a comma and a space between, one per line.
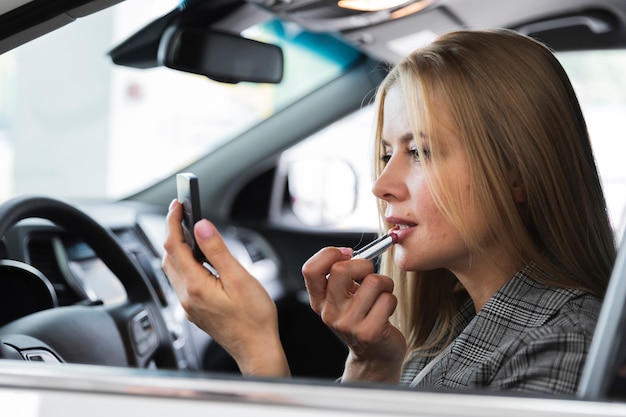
220, 56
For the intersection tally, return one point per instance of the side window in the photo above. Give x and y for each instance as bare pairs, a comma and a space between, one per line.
329, 176
599, 78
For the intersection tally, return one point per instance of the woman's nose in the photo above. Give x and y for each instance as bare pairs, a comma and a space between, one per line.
389, 184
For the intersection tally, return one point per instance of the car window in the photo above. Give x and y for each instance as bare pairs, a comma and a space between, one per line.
348, 140
76, 126
599, 78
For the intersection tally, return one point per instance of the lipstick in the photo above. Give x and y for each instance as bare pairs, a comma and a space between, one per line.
376, 247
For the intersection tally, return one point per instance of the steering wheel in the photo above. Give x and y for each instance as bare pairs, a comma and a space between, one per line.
133, 333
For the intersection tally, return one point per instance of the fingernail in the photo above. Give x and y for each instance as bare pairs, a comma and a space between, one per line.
173, 204
346, 251
204, 229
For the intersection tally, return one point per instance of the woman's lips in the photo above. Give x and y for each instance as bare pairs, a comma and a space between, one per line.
401, 230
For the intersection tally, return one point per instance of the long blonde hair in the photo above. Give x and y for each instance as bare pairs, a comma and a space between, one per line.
516, 114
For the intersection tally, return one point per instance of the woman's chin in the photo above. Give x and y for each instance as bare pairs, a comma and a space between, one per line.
403, 260
408, 261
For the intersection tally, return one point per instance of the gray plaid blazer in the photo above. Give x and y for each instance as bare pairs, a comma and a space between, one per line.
528, 337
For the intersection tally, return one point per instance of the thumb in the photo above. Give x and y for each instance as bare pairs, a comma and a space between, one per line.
214, 249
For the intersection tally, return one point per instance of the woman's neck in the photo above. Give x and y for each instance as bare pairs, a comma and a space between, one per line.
484, 275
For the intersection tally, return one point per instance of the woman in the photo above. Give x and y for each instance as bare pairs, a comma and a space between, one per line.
485, 174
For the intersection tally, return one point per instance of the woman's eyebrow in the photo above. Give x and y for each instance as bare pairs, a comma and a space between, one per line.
405, 138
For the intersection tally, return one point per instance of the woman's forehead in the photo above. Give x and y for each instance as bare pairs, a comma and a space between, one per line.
428, 117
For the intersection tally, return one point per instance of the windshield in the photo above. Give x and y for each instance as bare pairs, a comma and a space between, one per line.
75, 126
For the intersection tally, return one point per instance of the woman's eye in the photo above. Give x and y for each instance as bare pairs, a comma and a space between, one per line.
419, 155
413, 153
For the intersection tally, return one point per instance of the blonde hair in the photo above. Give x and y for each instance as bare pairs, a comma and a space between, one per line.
517, 115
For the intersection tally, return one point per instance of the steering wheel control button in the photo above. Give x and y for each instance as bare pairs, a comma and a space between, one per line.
143, 333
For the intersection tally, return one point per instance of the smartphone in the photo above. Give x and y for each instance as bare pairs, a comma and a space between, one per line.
188, 194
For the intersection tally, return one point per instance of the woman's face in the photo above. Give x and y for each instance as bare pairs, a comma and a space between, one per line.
426, 239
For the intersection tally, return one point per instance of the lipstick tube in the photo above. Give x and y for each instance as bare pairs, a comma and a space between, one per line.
376, 247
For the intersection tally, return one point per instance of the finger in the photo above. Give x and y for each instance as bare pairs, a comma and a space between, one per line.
342, 278
362, 330
177, 254
368, 294
188, 278
375, 325
217, 253
373, 284
316, 269
173, 222
183, 271
384, 306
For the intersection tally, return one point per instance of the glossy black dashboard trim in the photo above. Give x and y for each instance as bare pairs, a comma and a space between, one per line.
34, 13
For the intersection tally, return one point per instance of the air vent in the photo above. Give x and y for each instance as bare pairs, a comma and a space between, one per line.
42, 256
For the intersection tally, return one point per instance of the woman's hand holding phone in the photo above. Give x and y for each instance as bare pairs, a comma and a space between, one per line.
233, 308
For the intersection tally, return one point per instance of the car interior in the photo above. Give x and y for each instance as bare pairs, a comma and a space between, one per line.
81, 278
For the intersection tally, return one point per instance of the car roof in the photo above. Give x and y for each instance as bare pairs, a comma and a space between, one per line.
386, 35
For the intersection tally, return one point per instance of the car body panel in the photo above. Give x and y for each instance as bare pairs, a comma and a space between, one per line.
109, 391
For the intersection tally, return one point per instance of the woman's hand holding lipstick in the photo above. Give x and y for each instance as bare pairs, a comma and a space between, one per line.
358, 314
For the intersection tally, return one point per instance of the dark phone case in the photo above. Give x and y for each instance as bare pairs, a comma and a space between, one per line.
188, 195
